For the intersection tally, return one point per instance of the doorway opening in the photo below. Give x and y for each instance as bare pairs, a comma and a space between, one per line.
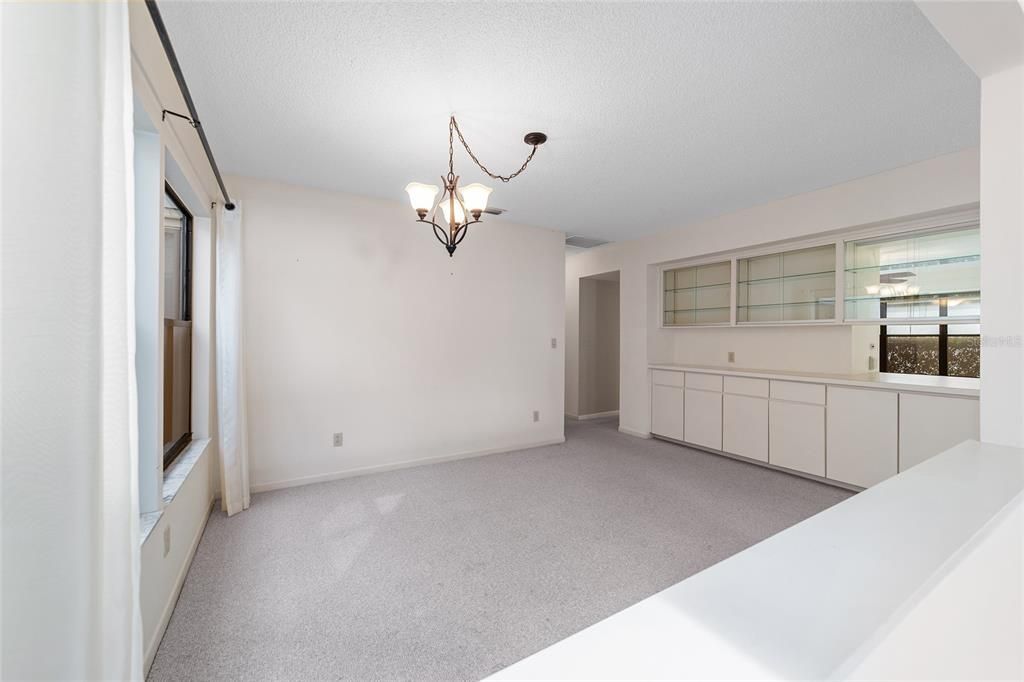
599, 346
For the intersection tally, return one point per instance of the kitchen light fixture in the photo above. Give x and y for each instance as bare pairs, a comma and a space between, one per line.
460, 206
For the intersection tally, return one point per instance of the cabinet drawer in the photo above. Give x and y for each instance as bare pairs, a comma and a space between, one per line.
706, 382
758, 388
664, 377
798, 392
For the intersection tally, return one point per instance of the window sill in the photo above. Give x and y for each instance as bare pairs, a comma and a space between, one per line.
147, 522
175, 475
174, 478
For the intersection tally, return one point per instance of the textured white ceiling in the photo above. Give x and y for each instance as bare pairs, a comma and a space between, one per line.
658, 114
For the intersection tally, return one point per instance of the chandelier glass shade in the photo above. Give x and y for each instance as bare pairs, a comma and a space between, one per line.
459, 206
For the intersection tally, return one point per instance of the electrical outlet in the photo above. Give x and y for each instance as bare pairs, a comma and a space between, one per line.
338, 440
536, 415
167, 540
554, 342
732, 356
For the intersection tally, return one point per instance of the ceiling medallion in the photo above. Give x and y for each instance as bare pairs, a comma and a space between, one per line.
461, 206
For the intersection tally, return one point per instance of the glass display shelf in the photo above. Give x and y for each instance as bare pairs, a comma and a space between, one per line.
696, 295
824, 301
921, 298
788, 286
931, 262
786, 312
702, 316
690, 310
914, 276
806, 275
726, 285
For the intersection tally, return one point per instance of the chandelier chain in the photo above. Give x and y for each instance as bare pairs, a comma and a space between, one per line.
453, 125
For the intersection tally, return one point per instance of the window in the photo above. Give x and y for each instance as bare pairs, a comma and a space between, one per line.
698, 295
931, 285
952, 350
177, 247
791, 286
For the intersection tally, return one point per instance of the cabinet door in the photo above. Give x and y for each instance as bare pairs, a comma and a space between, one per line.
745, 426
797, 436
667, 411
930, 424
703, 424
862, 435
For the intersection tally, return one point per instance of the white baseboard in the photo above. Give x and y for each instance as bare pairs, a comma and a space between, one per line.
363, 471
598, 415
154, 643
631, 432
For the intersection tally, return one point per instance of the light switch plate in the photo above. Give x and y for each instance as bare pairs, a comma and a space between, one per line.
536, 415
732, 356
338, 440
554, 342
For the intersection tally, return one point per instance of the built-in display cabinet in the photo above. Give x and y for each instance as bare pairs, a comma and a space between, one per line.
930, 276
788, 286
698, 295
916, 273
856, 432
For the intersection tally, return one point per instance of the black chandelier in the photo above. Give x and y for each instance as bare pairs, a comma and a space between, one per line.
461, 206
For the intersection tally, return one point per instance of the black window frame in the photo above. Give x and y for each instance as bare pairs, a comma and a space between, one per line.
943, 336
172, 451
186, 254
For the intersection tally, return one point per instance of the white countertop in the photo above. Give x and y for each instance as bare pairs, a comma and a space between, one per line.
961, 386
814, 601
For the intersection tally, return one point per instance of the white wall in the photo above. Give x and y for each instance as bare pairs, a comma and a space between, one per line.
989, 37
599, 345
357, 321
149, 327
1002, 257
162, 575
929, 186
810, 348
173, 156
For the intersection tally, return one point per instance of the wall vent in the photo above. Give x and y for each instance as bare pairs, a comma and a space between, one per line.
583, 242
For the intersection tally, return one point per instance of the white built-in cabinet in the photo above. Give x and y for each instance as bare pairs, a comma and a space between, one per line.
667, 404
930, 424
853, 435
863, 435
745, 417
796, 426
702, 410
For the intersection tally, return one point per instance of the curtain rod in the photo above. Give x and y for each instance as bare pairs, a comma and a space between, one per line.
165, 39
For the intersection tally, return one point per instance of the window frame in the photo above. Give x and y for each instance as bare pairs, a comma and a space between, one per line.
943, 337
172, 451
186, 254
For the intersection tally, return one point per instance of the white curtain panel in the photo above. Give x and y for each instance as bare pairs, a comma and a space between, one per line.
231, 413
70, 555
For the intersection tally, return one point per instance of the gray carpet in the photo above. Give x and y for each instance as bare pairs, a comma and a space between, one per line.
453, 571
